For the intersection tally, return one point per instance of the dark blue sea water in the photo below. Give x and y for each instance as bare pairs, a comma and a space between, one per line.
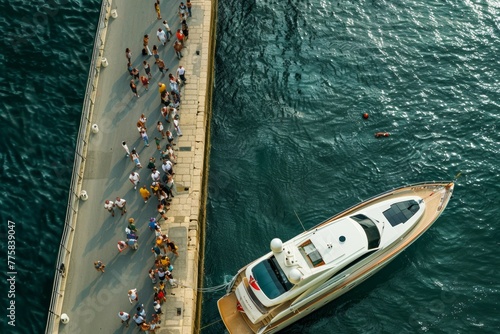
45, 53
293, 79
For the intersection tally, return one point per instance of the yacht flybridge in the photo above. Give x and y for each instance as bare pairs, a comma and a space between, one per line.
317, 266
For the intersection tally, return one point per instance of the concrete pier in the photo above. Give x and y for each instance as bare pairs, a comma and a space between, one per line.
90, 299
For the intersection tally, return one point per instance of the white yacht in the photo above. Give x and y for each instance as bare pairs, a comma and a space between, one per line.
304, 273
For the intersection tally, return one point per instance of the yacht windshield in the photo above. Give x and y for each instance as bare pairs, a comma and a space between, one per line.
371, 230
270, 278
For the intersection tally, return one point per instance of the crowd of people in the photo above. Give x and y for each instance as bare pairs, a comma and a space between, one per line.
162, 185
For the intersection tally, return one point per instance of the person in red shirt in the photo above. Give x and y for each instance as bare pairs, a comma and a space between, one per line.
145, 81
180, 37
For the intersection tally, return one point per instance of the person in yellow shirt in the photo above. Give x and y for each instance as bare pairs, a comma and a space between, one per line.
145, 193
161, 87
157, 9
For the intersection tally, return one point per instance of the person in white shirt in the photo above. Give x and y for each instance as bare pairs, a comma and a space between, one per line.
155, 175
167, 29
162, 37
134, 178
138, 319
125, 147
133, 296
181, 71
109, 205
141, 311
125, 317
167, 167
121, 204
177, 127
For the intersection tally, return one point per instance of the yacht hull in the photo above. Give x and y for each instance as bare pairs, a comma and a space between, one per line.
436, 196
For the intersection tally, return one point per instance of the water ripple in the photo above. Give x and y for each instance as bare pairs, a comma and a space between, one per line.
289, 137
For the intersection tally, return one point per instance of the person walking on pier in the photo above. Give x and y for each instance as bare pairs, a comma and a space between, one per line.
181, 71
121, 204
138, 319
125, 147
152, 224
134, 178
141, 311
170, 137
143, 119
185, 30
147, 69
169, 186
161, 210
145, 137
176, 100
160, 128
133, 295
128, 55
157, 307
133, 88
174, 83
145, 82
161, 87
155, 175
162, 37
151, 163
135, 73
155, 53
156, 251
182, 11
152, 276
157, 9
131, 225
171, 280
171, 155
109, 205
145, 42
155, 188
145, 194
168, 32
132, 242
189, 5
125, 318
122, 245
134, 156
161, 274
178, 49
99, 266
177, 127
180, 37
172, 247
161, 66
168, 167
158, 142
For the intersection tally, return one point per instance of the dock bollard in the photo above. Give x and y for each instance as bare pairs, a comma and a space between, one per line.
104, 62
95, 128
64, 318
114, 13
83, 195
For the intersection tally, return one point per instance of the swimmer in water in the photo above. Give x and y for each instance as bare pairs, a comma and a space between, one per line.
381, 134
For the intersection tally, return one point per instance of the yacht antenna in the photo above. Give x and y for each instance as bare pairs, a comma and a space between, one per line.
299, 219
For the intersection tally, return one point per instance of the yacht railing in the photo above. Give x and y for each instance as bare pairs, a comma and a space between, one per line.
56, 300
381, 195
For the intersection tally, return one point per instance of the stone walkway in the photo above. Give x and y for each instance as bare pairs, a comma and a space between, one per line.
91, 299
